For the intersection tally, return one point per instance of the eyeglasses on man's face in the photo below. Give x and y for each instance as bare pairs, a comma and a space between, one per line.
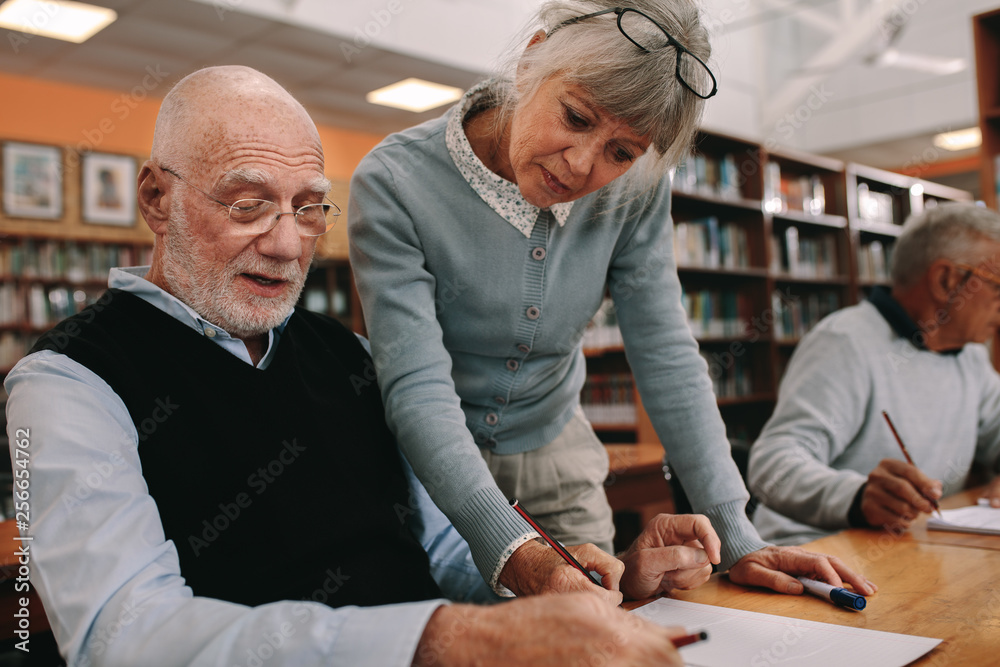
649, 35
259, 216
987, 277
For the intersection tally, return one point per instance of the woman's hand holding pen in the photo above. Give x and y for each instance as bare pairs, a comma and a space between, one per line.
535, 569
673, 551
896, 493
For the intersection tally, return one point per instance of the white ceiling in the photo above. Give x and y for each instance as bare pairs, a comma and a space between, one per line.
772, 56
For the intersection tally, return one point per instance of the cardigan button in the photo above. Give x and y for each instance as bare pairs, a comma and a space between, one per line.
533, 312
524, 348
492, 418
500, 400
538, 253
513, 364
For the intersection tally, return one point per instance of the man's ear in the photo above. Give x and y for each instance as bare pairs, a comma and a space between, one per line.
943, 281
153, 202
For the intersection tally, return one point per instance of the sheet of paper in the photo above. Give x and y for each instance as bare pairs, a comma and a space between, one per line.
737, 637
979, 518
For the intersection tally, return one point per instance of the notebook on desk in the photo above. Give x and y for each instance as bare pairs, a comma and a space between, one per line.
979, 518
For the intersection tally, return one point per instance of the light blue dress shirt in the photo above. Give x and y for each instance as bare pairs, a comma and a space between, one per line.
111, 583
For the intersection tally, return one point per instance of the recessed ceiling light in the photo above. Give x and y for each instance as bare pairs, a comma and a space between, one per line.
59, 19
414, 95
959, 140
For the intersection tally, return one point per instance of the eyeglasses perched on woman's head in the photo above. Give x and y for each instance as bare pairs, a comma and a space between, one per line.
259, 216
649, 36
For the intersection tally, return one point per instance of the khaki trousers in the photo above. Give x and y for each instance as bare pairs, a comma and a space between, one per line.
561, 484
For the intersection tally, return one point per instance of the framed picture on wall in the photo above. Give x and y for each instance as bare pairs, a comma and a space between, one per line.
32, 181
108, 189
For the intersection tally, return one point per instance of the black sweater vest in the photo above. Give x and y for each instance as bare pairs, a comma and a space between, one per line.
276, 484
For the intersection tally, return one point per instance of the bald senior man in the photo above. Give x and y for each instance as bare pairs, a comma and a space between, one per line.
208, 486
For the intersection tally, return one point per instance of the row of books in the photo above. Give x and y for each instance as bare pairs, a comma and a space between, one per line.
873, 261
804, 256
602, 331
717, 312
609, 399
875, 206
704, 242
66, 260
730, 374
796, 315
793, 192
708, 175
40, 306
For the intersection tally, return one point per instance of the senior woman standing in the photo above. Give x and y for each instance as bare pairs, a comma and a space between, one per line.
483, 243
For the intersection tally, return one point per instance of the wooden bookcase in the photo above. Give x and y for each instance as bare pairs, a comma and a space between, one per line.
986, 43
813, 234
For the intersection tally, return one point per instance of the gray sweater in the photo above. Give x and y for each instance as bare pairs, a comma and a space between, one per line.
827, 431
476, 332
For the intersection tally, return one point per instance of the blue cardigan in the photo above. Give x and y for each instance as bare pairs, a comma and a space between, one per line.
476, 332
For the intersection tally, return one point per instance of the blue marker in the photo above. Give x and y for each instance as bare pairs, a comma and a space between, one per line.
838, 596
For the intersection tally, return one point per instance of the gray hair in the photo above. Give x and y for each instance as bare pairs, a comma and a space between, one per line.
628, 83
948, 231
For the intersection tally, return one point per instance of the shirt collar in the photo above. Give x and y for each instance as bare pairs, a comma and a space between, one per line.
132, 279
899, 319
497, 192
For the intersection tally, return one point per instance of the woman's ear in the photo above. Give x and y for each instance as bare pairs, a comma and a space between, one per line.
537, 38
152, 198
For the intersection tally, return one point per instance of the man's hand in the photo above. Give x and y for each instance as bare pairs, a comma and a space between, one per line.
536, 568
777, 568
673, 551
896, 494
572, 629
992, 492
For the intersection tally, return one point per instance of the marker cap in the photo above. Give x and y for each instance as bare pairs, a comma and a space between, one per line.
848, 599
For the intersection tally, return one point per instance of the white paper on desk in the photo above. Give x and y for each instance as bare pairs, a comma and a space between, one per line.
979, 518
737, 637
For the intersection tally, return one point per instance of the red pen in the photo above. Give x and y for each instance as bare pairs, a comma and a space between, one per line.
560, 549
689, 639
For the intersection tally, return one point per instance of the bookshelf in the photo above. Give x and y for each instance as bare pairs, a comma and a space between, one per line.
986, 44
767, 244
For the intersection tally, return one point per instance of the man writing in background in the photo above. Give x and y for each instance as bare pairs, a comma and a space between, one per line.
827, 460
193, 376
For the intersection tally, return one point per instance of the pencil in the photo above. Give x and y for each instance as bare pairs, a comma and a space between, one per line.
560, 549
689, 639
909, 459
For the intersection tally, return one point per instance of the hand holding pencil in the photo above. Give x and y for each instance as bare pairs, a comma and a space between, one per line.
897, 491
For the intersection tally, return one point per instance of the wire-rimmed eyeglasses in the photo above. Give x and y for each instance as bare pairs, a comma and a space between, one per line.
259, 216
649, 35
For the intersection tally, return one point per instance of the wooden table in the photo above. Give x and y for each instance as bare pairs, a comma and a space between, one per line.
931, 583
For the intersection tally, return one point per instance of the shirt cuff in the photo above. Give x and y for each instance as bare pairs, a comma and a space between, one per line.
492, 528
362, 637
495, 584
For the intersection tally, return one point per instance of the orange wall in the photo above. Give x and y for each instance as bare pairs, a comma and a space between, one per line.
107, 121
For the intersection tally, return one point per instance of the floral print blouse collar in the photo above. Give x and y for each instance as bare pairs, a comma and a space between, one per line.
499, 194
